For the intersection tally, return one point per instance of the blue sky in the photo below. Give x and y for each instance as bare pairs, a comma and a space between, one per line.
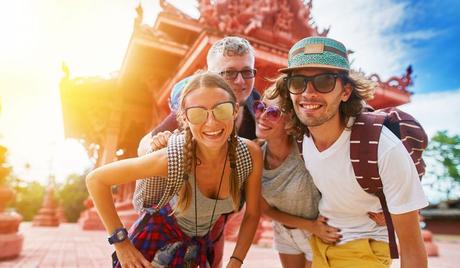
389, 35
436, 57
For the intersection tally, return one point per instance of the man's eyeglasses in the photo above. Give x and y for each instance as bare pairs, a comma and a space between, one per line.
199, 115
232, 75
271, 112
323, 83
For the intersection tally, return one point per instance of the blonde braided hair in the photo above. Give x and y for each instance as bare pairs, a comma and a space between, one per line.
185, 193
234, 178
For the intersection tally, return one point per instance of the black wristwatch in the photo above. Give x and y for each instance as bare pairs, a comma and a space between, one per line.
118, 235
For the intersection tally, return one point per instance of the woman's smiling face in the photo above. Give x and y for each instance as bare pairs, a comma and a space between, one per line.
212, 131
269, 126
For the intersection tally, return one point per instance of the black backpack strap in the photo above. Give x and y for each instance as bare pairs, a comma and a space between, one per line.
364, 141
158, 191
243, 168
243, 161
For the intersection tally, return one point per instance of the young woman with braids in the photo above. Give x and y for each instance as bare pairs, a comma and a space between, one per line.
213, 160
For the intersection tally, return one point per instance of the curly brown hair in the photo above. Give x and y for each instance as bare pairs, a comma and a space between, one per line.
362, 91
277, 90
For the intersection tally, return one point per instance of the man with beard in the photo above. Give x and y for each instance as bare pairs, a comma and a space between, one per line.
326, 98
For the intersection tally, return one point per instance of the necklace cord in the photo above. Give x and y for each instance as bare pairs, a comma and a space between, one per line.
215, 200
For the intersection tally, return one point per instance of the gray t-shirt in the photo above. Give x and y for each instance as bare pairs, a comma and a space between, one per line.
290, 188
205, 205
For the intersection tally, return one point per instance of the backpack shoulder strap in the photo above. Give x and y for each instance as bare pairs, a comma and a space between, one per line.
364, 141
243, 162
157, 191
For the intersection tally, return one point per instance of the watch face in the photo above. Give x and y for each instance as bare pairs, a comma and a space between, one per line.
120, 235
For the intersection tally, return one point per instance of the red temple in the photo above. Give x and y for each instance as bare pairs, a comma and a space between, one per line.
111, 115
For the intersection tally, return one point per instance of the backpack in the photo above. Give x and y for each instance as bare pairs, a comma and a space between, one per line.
364, 140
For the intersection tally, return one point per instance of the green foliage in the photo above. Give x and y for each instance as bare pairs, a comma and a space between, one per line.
29, 197
5, 169
71, 195
445, 150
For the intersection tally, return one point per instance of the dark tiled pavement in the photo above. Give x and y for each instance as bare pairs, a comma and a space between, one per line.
69, 246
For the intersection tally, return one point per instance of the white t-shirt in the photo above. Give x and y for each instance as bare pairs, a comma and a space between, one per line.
343, 200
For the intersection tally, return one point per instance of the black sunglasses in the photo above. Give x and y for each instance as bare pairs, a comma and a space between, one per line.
323, 83
232, 75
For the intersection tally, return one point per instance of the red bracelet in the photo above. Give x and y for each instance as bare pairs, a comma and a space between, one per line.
236, 258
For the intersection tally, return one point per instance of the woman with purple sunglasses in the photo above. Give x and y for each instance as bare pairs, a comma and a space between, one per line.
289, 195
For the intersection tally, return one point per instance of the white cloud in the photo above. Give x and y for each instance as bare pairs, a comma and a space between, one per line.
368, 27
436, 111
420, 35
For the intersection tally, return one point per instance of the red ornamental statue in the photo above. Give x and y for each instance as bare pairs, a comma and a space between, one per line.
10, 239
47, 215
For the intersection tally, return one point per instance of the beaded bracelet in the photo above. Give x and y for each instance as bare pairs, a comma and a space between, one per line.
236, 258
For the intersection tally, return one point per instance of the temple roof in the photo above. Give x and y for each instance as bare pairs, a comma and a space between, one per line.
176, 46
281, 22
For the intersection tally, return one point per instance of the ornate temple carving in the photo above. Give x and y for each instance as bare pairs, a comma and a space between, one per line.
281, 21
400, 83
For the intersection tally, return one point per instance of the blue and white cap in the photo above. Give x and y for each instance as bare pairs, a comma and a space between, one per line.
317, 52
175, 93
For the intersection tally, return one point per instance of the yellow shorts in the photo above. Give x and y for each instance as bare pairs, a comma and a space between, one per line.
361, 253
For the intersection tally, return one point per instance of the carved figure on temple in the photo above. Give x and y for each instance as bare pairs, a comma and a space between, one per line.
283, 21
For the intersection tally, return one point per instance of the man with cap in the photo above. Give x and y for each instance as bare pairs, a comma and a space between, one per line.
326, 97
233, 58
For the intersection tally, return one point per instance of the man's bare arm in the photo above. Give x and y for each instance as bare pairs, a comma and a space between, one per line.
412, 249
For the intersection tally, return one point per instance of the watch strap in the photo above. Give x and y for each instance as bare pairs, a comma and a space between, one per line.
119, 235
